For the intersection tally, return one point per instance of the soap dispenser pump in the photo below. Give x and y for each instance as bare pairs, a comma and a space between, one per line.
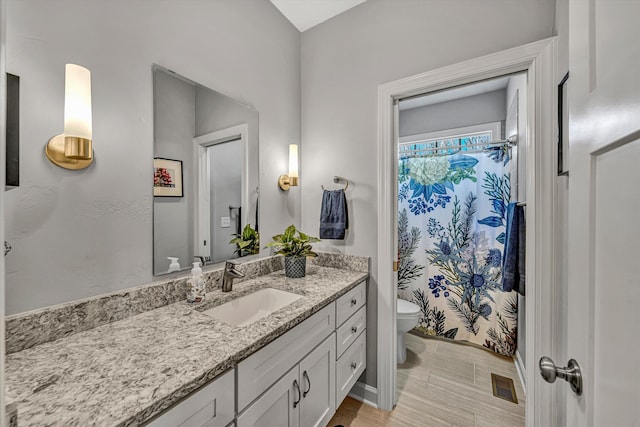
196, 288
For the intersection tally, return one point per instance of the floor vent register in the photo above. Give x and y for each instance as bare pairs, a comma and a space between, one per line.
503, 388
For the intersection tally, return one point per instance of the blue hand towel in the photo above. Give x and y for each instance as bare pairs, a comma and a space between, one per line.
513, 267
334, 218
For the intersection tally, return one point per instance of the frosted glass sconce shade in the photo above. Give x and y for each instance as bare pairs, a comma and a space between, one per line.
73, 149
291, 180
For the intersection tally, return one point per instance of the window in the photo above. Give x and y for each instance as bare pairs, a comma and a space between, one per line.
449, 141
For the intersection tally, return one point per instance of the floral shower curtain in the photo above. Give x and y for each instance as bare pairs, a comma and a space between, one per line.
451, 231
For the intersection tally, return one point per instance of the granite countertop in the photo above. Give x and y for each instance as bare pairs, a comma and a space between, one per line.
125, 372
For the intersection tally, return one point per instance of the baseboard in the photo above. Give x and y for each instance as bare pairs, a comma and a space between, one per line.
522, 373
365, 393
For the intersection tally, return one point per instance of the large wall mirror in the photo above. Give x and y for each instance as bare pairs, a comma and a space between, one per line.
205, 180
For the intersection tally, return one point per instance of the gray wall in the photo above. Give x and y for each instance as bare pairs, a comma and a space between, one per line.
79, 234
473, 110
173, 128
343, 62
226, 190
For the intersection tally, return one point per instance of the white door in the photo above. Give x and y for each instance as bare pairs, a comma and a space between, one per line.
604, 207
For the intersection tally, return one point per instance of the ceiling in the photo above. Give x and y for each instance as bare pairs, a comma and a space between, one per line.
455, 93
305, 14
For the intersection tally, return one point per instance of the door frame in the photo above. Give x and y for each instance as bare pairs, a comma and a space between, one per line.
538, 59
201, 159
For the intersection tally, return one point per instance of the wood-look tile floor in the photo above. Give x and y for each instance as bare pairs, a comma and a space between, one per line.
442, 384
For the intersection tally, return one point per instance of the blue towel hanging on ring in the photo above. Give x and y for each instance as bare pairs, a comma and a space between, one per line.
334, 217
513, 267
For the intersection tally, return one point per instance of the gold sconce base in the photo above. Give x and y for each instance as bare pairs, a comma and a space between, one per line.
286, 182
55, 152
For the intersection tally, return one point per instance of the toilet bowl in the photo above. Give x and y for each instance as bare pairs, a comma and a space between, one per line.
408, 315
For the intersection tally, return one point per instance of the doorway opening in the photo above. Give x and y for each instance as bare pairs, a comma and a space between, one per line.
537, 60
461, 175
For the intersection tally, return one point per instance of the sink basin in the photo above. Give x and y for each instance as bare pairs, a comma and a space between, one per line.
250, 308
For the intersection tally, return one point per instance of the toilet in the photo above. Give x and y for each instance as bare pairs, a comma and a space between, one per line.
407, 317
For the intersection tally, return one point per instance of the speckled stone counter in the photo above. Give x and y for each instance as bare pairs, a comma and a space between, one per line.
125, 372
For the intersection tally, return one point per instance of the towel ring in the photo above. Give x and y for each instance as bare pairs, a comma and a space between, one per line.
337, 179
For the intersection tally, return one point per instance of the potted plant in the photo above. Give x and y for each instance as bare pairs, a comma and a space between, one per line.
295, 249
248, 243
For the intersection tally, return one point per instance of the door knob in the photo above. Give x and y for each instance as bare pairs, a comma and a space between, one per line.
570, 374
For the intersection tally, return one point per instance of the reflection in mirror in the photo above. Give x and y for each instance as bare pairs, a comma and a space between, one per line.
205, 174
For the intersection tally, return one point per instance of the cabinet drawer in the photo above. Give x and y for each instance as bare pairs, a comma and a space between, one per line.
350, 366
350, 302
263, 368
211, 406
350, 330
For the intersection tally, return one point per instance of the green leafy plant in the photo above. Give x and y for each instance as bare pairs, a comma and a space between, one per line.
288, 244
248, 243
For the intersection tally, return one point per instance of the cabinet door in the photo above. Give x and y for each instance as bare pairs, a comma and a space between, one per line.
279, 406
317, 379
257, 372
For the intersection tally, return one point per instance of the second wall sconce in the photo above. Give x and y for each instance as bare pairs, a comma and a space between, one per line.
73, 149
287, 181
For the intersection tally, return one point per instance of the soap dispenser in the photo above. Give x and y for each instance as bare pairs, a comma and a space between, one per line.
195, 288
174, 265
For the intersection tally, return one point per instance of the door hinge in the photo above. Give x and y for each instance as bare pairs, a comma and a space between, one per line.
395, 265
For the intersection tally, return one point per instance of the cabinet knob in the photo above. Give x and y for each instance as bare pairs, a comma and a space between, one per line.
354, 301
354, 365
354, 329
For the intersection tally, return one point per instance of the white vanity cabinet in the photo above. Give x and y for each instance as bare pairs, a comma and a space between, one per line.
298, 380
304, 396
211, 406
308, 371
263, 368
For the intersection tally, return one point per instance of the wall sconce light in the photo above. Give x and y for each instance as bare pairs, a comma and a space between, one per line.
287, 181
73, 150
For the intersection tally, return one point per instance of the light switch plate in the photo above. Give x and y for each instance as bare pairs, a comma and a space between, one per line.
225, 221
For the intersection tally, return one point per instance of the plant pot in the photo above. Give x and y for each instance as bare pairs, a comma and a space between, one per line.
295, 266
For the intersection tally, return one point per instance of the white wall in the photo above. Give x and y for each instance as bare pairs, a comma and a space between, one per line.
78, 234
343, 62
174, 128
472, 110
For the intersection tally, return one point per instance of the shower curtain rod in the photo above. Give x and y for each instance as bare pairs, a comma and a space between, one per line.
510, 143
405, 156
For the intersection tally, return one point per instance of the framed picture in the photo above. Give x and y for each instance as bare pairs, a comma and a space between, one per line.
167, 177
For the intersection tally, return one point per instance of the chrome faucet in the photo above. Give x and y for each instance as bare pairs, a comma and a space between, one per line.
229, 274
